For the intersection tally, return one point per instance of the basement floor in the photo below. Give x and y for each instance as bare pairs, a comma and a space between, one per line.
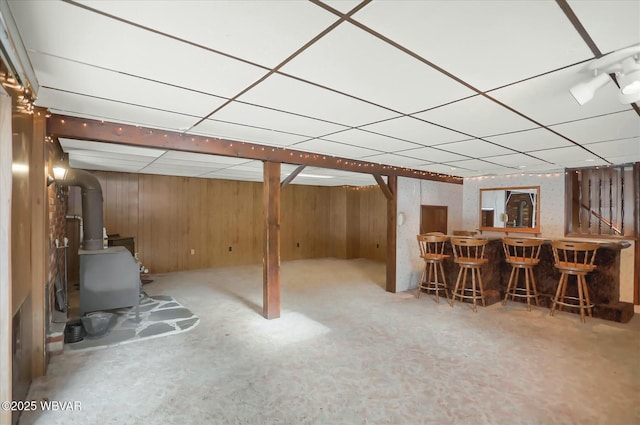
346, 352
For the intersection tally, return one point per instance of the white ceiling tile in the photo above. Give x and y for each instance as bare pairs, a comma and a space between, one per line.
94, 108
530, 140
107, 157
61, 74
446, 169
415, 130
273, 37
475, 148
258, 167
288, 94
486, 43
397, 160
214, 160
175, 170
69, 145
620, 125
477, 116
333, 148
547, 99
65, 30
237, 112
366, 139
343, 6
612, 24
235, 175
243, 133
82, 160
561, 156
618, 151
517, 160
124, 167
188, 163
433, 155
249, 167
480, 166
344, 58
577, 163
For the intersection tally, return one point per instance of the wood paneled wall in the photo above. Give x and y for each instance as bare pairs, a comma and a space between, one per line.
221, 220
373, 223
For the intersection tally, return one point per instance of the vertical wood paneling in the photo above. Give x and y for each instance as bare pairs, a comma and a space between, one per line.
353, 223
373, 207
170, 216
338, 223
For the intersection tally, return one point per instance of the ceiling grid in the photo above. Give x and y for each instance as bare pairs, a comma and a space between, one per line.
463, 88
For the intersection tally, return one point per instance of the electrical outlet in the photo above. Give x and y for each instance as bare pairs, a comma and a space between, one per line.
298, 245
193, 251
377, 245
229, 249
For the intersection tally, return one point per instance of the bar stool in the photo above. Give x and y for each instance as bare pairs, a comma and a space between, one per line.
574, 258
522, 254
432, 252
469, 255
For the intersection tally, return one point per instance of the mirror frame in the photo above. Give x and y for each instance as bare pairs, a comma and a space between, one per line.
534, 230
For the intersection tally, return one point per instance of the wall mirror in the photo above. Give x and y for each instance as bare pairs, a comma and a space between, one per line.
510, 209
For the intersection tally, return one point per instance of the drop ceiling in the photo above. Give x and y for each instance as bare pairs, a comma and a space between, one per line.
465, 88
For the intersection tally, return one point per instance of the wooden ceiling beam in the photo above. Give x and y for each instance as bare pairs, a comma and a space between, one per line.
292, 176
385, 189
62, 126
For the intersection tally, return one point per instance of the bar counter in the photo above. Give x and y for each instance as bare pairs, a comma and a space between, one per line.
603, 283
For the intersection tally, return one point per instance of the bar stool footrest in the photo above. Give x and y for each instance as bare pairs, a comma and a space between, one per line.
573, 304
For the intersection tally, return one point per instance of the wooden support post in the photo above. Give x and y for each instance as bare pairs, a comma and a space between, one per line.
271, 262
292, 176
392, 212
39, 243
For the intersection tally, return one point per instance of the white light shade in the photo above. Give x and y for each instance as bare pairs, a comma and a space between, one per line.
630, 77
59, 173
631, 97
584, 92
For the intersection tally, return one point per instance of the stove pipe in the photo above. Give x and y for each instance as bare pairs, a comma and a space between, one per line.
91, 207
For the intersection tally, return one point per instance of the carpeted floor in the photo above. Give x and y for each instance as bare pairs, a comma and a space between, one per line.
347, 352
160, 316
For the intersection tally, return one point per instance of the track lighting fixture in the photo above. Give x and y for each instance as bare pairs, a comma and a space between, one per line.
624, 64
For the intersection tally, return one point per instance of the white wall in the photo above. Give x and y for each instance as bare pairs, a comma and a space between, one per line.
413, 193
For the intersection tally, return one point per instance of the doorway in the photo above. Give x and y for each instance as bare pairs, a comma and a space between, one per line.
433, 218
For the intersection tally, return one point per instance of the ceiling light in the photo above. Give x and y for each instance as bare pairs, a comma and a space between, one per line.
624, 63
589, 159
59, 173
584, 92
